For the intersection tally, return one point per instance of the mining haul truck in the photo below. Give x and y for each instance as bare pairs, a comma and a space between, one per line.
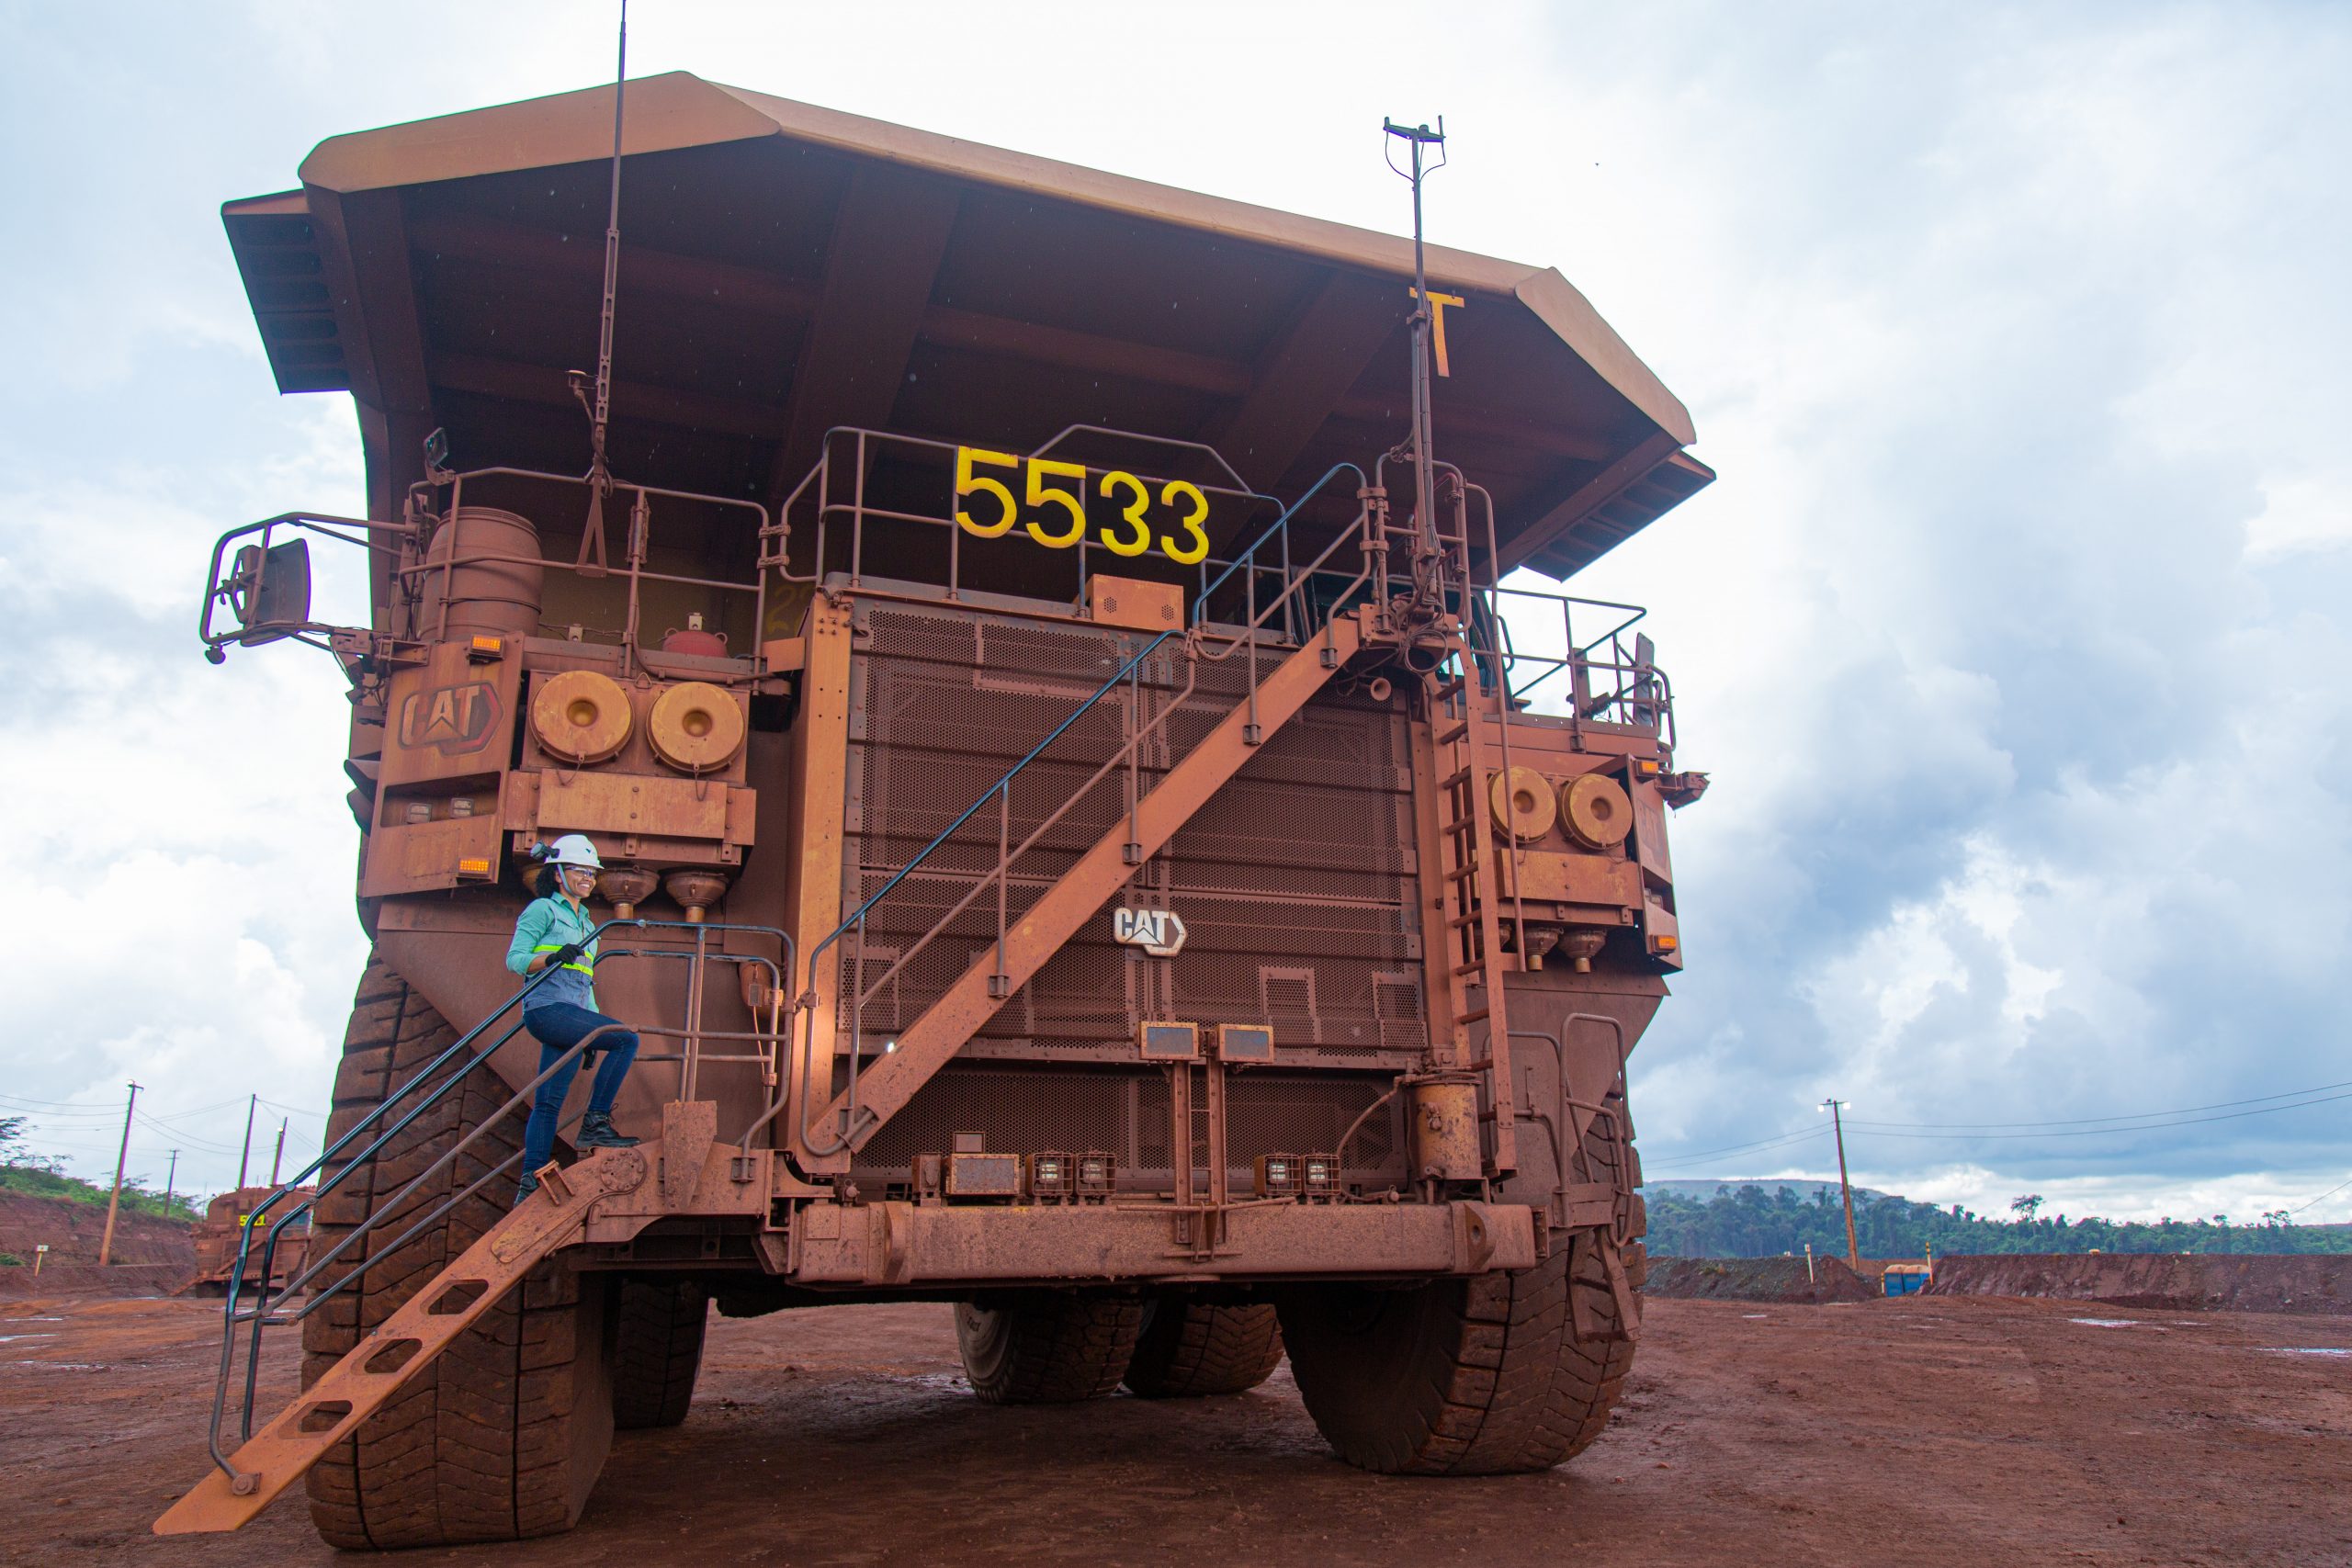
218, 1237
1107, 824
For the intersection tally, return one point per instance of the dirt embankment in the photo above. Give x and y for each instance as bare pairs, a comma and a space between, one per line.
2169, 1282
1757, 1279
150, 1255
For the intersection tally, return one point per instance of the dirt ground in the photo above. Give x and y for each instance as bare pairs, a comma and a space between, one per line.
1916, 1431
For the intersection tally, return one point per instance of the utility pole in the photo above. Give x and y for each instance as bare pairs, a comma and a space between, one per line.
247, 1152
276, 1153
106, 1246
1853, 1252
170, 1181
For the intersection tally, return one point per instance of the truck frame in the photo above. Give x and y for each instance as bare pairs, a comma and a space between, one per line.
1102, 828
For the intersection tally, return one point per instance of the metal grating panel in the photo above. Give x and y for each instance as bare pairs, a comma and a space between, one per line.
1300, 867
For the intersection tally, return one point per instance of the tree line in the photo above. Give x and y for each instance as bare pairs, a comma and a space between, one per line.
43, 1176
1747, 1221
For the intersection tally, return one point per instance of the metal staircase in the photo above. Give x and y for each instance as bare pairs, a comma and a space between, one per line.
1334, 628
272, 1457
384, 1361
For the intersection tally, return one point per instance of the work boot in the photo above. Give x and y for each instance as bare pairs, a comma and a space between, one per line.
596, 1132
530, 1184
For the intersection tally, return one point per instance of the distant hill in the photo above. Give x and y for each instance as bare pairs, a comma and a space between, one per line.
1707, 1191
1731, 1217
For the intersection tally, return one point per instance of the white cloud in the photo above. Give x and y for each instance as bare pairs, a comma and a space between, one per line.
2013, 633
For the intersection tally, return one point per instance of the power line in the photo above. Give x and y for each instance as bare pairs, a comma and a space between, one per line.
2133, 1116
1785, 1140
2323, 1197
2106, 1132
2081, 1126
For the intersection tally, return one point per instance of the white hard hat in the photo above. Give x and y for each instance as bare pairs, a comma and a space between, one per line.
574, 849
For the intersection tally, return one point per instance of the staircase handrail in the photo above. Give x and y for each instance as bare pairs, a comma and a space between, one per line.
1279, 525
856, 917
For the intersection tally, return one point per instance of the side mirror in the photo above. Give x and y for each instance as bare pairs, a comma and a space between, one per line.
270, 590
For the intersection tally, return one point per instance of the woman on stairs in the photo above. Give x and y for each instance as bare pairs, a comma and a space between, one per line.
557, 931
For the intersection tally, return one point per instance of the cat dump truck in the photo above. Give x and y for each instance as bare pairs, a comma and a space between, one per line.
1107, 824
219, 1235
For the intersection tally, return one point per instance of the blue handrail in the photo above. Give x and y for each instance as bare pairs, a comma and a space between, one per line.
1199, 604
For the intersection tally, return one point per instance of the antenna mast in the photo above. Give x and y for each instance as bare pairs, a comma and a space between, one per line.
599, 410
1427, 553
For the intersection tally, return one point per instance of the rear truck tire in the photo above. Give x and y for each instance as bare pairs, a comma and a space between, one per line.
1046, 1347
1476, 1376
502, 1437
1191, 1350
657, 1350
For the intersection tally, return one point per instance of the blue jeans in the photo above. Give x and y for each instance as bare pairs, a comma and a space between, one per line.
557, 1027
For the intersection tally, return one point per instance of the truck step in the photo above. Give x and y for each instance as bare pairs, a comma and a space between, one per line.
383, 1362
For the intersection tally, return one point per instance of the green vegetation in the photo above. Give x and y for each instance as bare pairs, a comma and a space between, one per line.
38, 1176
1746, 1221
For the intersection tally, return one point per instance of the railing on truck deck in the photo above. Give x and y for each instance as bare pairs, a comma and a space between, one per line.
835, 509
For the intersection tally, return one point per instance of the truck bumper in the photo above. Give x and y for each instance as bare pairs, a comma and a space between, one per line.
901, 1244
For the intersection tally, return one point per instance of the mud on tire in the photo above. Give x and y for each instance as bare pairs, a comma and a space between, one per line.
1046, 1347
1189, 1349
502, 1437
1482, 1376
657, 1350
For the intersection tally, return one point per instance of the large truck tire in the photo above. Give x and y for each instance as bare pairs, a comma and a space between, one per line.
1477, 1376
503, 1435
1047, 1347
1191, 1350
657, 1350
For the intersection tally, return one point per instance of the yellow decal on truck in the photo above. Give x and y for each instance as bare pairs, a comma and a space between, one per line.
1055, 513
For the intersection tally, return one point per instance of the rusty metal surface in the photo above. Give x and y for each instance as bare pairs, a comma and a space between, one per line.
1293, 879
903, 1243
1054, 917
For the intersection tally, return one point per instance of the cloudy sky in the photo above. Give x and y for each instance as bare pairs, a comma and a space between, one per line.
2012, 634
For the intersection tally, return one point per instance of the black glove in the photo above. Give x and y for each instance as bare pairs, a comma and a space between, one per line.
569, 952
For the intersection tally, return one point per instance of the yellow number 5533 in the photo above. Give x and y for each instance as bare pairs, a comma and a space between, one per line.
1056, 496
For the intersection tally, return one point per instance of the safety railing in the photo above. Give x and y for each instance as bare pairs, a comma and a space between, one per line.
1204, 642
865, 482
1526, 641
428, 1086
592, 559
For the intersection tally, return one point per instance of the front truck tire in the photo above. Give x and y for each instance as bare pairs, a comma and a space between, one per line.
1047, 1347
503, 1436
1192, 1349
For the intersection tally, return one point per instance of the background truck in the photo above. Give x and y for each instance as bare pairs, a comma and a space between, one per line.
1098, 831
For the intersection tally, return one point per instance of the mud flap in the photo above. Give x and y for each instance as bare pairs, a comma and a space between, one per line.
1582, 1320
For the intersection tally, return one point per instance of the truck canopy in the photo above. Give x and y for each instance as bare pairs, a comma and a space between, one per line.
785, 269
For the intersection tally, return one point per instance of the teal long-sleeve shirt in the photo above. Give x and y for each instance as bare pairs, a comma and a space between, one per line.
545, 925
